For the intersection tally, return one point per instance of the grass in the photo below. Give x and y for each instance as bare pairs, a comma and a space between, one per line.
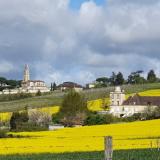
143, 154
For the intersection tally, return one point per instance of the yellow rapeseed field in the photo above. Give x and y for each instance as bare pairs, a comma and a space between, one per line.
90, 138
5, 117
155, 92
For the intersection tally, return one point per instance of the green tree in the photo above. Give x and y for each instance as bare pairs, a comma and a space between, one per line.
54, 86
113, 79
102, 81
74, 109
151, 76
17, 119
136, 78
119, 79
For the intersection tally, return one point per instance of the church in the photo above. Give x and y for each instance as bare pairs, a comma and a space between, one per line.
27, 85
32, 86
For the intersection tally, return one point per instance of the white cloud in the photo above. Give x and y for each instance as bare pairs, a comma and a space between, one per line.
61, 44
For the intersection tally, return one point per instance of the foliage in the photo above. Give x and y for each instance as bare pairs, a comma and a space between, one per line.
119, 79
18, 119
3, 133
136, 78
53, 86
38, 93
96, 119
74, 107
11, 83
39, 118
151, 78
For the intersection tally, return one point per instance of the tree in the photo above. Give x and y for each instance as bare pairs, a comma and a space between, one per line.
17, 119
113, 78
74, 109
136, 78
119, 79
151, 76
103, 81
51, 87
54, 86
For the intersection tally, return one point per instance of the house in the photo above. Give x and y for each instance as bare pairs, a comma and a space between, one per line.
70, 85
90, 85
122, 107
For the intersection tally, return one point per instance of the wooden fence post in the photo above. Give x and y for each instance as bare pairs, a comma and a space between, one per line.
108, 148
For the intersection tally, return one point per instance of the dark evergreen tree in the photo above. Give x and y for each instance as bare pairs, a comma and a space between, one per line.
113, 79
54, 86
151, 78
51, 87
119, 79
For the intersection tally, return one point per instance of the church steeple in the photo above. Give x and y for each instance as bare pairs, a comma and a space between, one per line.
26, 73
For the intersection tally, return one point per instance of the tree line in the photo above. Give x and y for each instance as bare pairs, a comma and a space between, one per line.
133, 78
10, 83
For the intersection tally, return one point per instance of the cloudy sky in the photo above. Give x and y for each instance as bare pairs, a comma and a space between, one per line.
78, 40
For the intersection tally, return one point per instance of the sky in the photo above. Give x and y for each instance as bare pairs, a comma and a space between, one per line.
78, 40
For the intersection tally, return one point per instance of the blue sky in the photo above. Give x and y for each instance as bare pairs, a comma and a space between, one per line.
60, 44
75, 4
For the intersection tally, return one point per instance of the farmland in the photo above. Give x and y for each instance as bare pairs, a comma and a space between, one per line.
55, 99
127, 136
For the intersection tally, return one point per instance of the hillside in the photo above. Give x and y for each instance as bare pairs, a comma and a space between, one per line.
56, 98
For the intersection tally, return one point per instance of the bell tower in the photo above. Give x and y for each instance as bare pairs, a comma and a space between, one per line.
26, 73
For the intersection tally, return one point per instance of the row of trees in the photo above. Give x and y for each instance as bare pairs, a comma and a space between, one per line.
133, 78
11, 83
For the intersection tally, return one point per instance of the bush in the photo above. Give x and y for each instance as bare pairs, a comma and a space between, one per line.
97, 119
3, 134
39, 118
38, 93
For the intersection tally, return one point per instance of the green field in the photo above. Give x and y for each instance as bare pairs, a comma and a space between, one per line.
56, 98
144, 154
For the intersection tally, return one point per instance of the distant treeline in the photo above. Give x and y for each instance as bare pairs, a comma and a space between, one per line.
133, 78
5, 83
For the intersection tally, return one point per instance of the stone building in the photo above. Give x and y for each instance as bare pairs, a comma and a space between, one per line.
27, 85
122, 107
32, 86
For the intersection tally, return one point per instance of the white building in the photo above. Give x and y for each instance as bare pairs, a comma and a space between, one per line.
117, 97
27, 85
32, 86
134, 104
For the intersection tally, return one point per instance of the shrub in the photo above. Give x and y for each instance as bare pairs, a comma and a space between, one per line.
38, 93
39, 118
97, 119
3, 133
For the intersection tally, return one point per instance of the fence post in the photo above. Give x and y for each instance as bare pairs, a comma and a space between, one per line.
108, 148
